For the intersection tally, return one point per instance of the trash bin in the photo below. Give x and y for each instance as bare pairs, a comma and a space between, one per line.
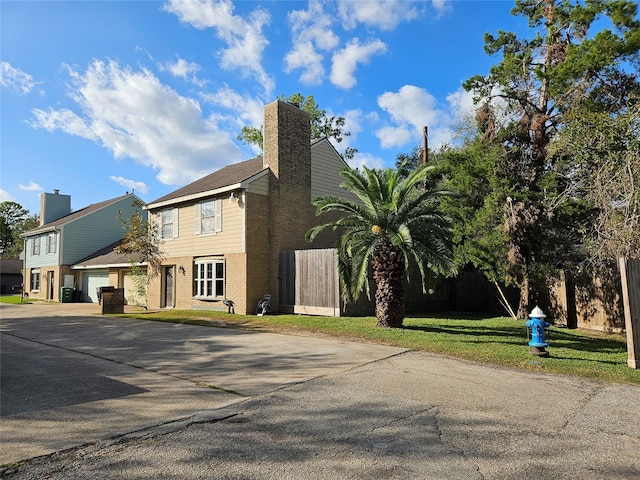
66, 294
101, 290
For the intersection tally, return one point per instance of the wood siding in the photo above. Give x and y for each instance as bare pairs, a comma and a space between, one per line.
92, 232
187, 243
259, 186
325, 171
44, 259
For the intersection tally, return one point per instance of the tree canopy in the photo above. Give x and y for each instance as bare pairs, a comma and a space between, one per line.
142, 238
322, 125
522, 103
14, 221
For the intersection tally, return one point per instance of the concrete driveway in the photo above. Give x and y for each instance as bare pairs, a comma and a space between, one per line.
325, 410
71, 377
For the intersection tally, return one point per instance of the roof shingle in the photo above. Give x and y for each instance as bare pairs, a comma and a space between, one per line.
229, 175
77, 214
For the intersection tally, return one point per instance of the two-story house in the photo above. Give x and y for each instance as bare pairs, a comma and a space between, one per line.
222, 234
63, 238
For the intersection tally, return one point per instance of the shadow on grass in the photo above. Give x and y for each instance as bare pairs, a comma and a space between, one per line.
518, 334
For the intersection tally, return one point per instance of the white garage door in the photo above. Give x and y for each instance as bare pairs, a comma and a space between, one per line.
91, 280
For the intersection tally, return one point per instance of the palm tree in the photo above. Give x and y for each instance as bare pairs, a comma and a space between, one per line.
395, 222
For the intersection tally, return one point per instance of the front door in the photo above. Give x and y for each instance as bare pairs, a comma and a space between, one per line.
51, 289
167, 297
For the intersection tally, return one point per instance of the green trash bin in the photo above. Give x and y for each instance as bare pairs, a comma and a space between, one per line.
66, 294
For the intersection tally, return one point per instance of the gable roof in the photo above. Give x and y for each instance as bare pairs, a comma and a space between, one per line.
76, 215
226, 176
108, 257
10, 267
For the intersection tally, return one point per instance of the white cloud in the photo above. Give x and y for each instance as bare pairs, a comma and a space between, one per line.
393, 136
411, 109
31, 187
305, 56
382, 14
441, 6
365, 159
345, 61
15, 78
185, 70
5, 196
133, 115
141, 187
311, 31
244, 37
246, 110
353, 125
461, 101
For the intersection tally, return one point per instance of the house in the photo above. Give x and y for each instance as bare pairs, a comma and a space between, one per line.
107, 267
10, 275
64, 238
222, 234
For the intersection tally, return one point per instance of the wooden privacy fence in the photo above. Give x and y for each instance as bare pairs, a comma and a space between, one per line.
309, 282
630, 276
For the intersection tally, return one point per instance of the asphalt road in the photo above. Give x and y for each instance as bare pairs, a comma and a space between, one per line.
85, 397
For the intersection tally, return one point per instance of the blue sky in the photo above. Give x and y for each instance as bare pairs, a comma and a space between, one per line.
101, 97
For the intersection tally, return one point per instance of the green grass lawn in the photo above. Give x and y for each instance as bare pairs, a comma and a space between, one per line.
14, 299
499, 341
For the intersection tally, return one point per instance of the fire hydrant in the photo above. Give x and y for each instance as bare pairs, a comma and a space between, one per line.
536, 325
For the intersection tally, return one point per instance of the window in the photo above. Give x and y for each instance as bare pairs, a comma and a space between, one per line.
208, 217
35, 279
35, 246
209, 279
168, 223
52, 242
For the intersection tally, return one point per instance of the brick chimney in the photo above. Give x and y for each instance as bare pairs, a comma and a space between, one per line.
287, 153
54, 206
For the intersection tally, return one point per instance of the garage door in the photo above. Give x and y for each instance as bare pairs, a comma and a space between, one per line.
91, 281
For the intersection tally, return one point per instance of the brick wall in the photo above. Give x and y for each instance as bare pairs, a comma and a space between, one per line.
287, 152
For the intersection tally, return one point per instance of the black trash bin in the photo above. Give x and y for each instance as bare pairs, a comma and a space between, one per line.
101, 290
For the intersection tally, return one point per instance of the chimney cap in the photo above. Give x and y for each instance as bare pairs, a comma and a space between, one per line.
56, 191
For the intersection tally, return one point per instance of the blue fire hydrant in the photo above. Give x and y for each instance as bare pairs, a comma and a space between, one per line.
536, 326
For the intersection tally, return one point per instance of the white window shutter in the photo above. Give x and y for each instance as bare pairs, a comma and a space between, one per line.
218, 214
175, 223
196, 220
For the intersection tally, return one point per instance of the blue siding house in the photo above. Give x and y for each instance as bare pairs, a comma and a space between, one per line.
65, 238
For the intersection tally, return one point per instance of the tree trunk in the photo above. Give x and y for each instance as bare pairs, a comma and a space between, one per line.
388, 273
523, 304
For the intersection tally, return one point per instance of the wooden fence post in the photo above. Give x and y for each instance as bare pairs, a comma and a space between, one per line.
630, 277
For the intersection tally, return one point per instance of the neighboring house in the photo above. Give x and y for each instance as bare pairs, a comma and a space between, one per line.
109, 268
222, 235
10, 275
64, 238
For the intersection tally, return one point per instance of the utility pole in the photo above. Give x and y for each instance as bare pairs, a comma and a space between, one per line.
425, 152
425, 145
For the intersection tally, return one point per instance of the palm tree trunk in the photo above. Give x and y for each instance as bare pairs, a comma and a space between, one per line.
388, 273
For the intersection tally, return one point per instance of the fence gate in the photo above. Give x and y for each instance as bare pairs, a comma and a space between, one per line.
309, 282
